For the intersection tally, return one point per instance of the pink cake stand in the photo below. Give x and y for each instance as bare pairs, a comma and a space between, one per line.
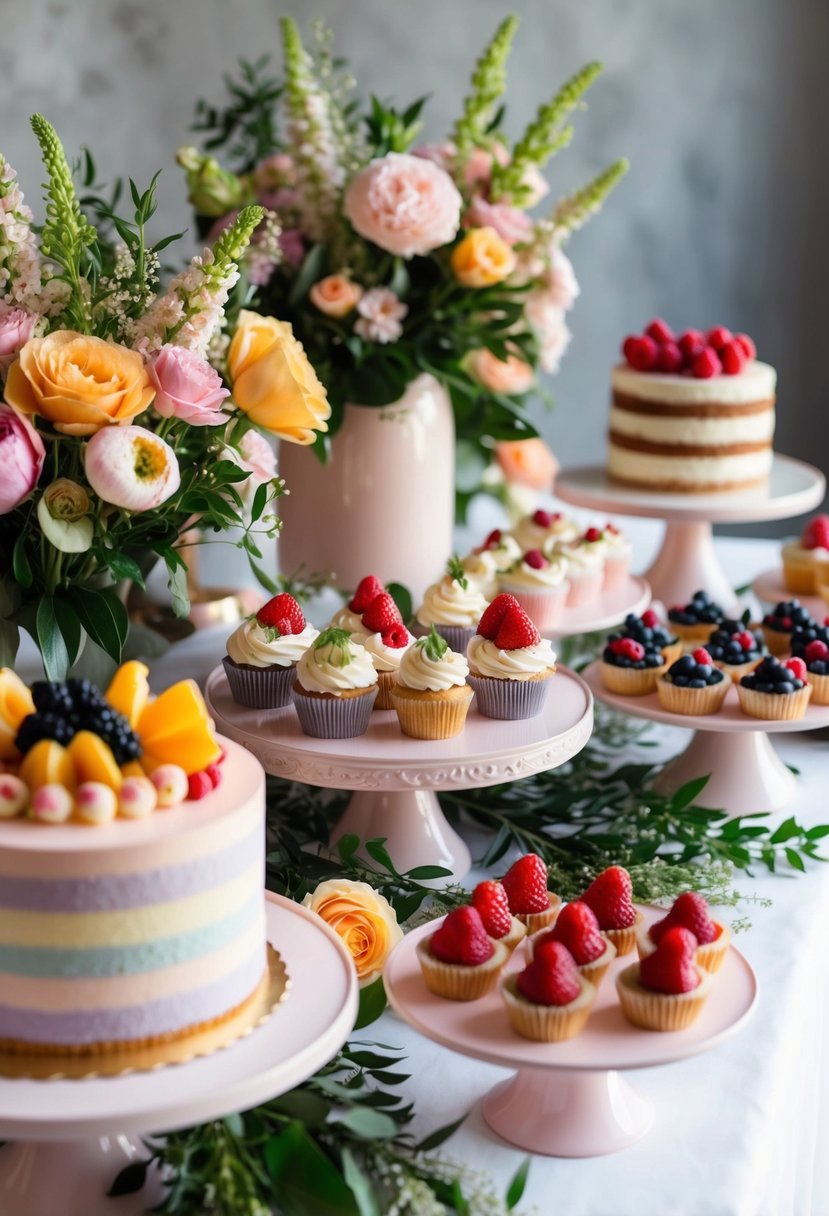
634, 595
687, 560
566, 1099
734, 751
770, 589
71, 1138
395, 777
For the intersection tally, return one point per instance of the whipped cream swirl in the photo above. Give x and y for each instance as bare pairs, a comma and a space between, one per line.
530, 535
449, 603
255, 645
552, 575
344, 618
426, 674
487, 659
337, 667
385, 658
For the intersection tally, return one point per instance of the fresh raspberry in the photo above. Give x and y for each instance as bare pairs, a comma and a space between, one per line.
629, 647
576, 928
747, 343
733, 358
691, 343
660, 331
525, 883
368, 589
671, 359
629, 345
650, 619
701, 655
215, 774
592, 535
280, 611
490, 898
718, 337
493, 540
381, 613
609, 896
396, 636
816, 533
462, 939
542, 518
797, 667
641, 353
706, 364
535, 559
689, 911
745, 640
785, 623
491, 619
816, 650
198, 785
552, 978
516, 630
671, 967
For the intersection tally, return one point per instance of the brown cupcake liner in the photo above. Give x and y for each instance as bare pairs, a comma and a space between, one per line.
710, 956
660, 1010
630, 681
820, 688
547, 1023
431, 718
335, 717
259, 687
624, 939
774, 707
510, 700
678, 700
454, 981
778, 643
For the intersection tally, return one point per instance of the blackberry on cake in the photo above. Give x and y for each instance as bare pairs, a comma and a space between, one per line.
629, 667
735, 648
780, 624
648, 629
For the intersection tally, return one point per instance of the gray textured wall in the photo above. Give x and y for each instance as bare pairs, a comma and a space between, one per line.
718, 103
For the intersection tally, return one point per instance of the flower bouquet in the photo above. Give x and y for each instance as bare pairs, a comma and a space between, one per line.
116, 433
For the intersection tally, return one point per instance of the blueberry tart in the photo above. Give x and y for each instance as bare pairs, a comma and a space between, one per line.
695, 621
693, 685
629, 667
781, 623
735, 649
776, 691
816, 657
649, 630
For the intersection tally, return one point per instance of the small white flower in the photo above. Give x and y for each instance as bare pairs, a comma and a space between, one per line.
381, 313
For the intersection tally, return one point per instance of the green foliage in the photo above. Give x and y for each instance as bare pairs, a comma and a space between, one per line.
247, 128
489, 82
389, 131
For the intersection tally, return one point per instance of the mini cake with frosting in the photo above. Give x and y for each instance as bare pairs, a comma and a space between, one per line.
550, 1000
775, 690
617, 558
693, 685
350, 616
585, 557
816, 658
691, 413
695, 621
577, 928
610, 898
490, 899
431, 695
735, 648
806, 560
786, 619
544, 530
510, 664
454, 606
482, 566
264, 651
540, 585
460, 961
335, 687
630, 668
530, 899
690, 911
667, 989
649, 630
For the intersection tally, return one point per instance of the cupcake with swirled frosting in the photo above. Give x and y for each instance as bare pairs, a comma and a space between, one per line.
453, 606
350, 616
387, 649
263, 652
544, 529
431, 695
335, 687
585, 558
510, 664
540, 585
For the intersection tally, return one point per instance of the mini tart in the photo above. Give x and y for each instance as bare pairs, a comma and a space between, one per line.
534, 922
819, 686
624, 939
547, 1023
594, 971
677, 699
774, 706
737, 670
710, 956
672, 651
516, 935
696, 634
660, 1010
630, 681
778, 641
431, 715
457, 982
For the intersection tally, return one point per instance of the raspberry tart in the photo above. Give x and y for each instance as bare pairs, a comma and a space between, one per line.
630, 668
510, 664
490, 899
667, 989
693, 685
776, 691
609, 897
690, 911
784, 620
540, 585
431, 695
453, 606
549, 1001
263, 652
577, 928
530, 899
335, 687
460, 961
806, 561
735, 648
816, 657
695, 621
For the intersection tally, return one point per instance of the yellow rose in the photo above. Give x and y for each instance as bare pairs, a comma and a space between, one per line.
273, 381
362, 918
482, 258
78, 383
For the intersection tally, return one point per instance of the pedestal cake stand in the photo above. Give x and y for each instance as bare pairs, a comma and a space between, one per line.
566, 1099
734, 751
687, 561
395, 777
71, 1138
770, 589
610, 609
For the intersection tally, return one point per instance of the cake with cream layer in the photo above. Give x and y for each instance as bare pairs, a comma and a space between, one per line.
138, 933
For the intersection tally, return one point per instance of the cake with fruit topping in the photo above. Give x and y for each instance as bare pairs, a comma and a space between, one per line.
335, 687
735, 648
460, 960
540, 585
526, 883
690, 911
630, 668
454, 606
649, 630
610, 897
577, 928
693, 685
775, 690
806, 560
667, 989
691, 413
263, 652
550, 1000
430, 694
510, 664
149, 925
786, 620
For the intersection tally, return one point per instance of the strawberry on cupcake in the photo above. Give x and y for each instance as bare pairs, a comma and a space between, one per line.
550, 1000
510, 664
689, 911
609, 897
667, 989
349, 617
263, 652
482, 566
577, 928
528, 893
453, 606
490, 898
460, 961
386, 639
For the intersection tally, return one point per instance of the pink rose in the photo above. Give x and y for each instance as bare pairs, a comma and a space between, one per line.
336, 295
187, 387
511, 375
442, 155
404, 204
512, 225
256, 456
550, 327
559, 279
381, 314
21, 458
16, 327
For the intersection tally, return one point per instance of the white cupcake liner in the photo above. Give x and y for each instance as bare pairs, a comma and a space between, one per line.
335, 717
509, 699
260, 687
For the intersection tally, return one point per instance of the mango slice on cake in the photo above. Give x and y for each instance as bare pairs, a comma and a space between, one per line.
48, 763
93, 760
129, 690
15, 704
175, 728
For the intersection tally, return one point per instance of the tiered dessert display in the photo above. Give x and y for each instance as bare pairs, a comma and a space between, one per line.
803, 572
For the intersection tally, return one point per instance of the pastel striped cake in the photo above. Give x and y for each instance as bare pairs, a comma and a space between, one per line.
139, 933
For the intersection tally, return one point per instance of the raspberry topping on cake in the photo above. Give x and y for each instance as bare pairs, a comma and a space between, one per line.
525, 883
381, 613
535, 559
733, 358
719, 352
774, 677
719, 337
691, 343
641, 353
670, 359
706, 364
282, 613
367, 590
689, 911
578, 929
609, 896
660, 331
787, 616
396, 636
747, 343
462, 939
816, 533
592, 535
493, 540
552, 978
671, 968
490, 898
542, 518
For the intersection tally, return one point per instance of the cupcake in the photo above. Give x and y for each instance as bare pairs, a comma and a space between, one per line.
431, 695
695, 621
263, 652
805, 561
490, 899
549, 1001
666, 990
816, 658
543, 530
529, 897
780, 624
631, 668
585, 558
693, 685
510, 664
460, 961
649, 630
777, 691
335, 687
577, 928
689, 911
483, 565
735, 648
349, 617
617, 558
387, 647
609, 897
453, 606
540, 585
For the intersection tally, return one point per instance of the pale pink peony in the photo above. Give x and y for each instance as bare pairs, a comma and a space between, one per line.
130, 467
404, 204
512, 225
16, 327
550, 327
21, 458
511, 375
381, 314
187, 387
559, 279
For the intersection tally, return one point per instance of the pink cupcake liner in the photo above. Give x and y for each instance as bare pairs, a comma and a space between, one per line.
335, 717
616, 571
509, 699
259, 687
585, 586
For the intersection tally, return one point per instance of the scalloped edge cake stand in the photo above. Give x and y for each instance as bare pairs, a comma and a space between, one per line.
71, 1138
745, 773
566, 1099
395, 777
770, 589
686, 560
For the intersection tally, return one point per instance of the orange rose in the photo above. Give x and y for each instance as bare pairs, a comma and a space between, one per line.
363, 918
78, 383
335, 295
482, 258
511, 375
527, 462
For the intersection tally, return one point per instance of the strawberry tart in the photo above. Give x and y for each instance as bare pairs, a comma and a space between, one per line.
263, 652
550, 1000
490, 898
690, 911
609, 896
577, 928
667, 989
528, 893
510, 664
460, 961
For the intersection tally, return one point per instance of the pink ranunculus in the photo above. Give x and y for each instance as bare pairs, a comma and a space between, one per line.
512, 225
16, 327
550, 327
511, 375
404, 204
130, 467
274, 172
187, 387
21, 458
256, 456
381, 314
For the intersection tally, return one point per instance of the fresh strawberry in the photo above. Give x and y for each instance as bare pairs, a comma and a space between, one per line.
691, 343
671, 968
816, 533
215, 774
493, 540
797, 667
282, 611
396, 636
516, 630
816, 650
641, 353
368, 589
492, 616
718, 337
577, 928
733, 358
381, 613
592, 535
525, 883
747, 343
745, 639
706, 364
198, 786
490, 898
462, 939
650, 618
552, 978
689, 911
542, 518
535, 559
660, 331
671, 359
701, 655
609, 896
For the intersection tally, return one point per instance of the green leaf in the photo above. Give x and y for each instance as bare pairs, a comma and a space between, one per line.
360, 1185
441, 1134
347, 846
377, 851
515, 1190
787, 830
70, 627
20, 562
365, 1123
421, 873
309, 1108
402, 596
50, 640
306, 1181
124, 566
372, 1003
103, 616
688, 793
795, 860
9, 643
312, 269
260, 498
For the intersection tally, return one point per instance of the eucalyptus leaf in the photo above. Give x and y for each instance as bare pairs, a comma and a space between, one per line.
307, 1182
359, 1184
